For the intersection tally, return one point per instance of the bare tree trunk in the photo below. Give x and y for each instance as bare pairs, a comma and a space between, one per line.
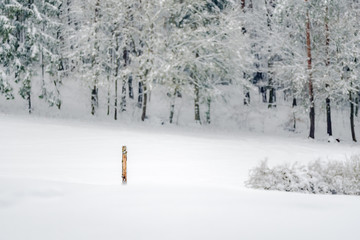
143, 116
197, 102
263, 94
123, 96
352, 113
311, 91
94, 100
116, 75
328, 106
172, 105
328, 117
29, 101
140, 97
294, 104
272, 93
172, 110
357, 104
124, 81
130, 84
94, 91
247, 93
208, 119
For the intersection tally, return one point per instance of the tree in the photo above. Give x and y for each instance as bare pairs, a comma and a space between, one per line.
20, 46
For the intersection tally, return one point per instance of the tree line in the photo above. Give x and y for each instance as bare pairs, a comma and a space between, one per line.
306, 51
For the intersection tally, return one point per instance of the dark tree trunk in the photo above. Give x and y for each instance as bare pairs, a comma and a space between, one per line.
131, 91
123, 96
357, 104
352, 113
29, 102
272, 95
294, 104
116, 76
311, 92
312, 120
140, 97
328, 117
94, 100
247, 98
143, 116
172, 110
197, 103
327, 63
124, 81
208, 119
263, 94
94, 92
172, 105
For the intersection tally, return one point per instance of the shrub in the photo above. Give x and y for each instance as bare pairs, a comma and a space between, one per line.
318, 177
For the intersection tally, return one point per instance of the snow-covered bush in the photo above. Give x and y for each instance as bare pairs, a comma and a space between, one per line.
332, 177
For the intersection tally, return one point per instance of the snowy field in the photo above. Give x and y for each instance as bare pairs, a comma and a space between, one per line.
61, 179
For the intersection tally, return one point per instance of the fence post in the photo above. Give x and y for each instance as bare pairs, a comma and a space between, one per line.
124, 162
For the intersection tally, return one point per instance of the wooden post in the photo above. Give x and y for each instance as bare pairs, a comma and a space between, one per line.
124, 161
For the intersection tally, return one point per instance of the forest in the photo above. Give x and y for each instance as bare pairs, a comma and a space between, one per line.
300, 53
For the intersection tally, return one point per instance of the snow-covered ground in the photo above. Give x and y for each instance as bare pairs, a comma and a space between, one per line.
61, 180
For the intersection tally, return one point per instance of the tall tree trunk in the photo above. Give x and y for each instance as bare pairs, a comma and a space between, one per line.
197, 102
143, 115
294, 104
124, 81
352, 113
43, 74
311, 91
123, 96
29, 101
94, 100
130, 84
208, 119
272, 93
117, 67
328, 106
247, 93
328, 117
172, 106
94, 91
357, 104
140, 95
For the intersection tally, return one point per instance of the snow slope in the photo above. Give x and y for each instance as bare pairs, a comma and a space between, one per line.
62, 180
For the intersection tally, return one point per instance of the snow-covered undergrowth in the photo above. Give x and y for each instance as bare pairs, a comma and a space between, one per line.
324, 177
